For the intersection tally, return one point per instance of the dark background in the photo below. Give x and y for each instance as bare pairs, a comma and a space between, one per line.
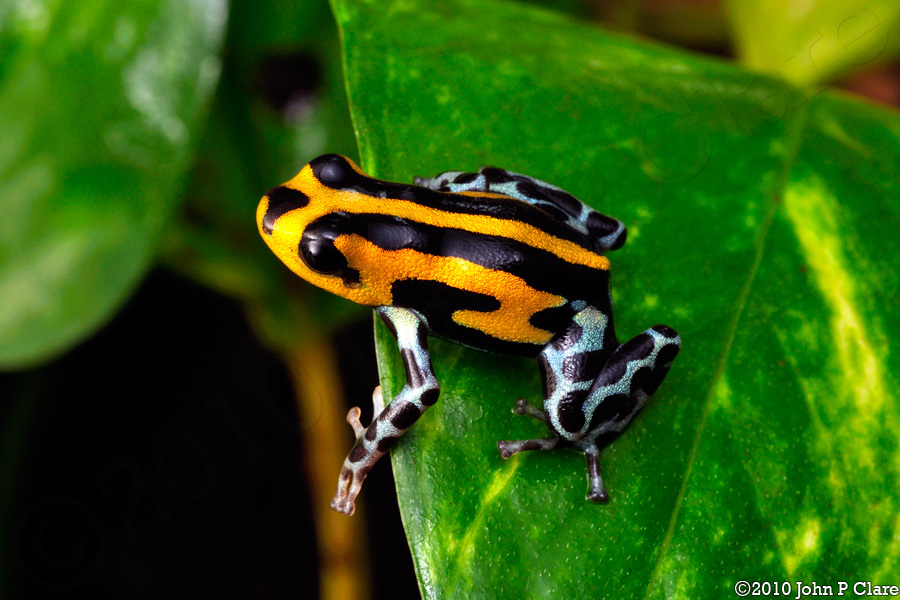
163, 460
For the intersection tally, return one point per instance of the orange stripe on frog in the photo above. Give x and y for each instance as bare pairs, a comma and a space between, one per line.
518, 300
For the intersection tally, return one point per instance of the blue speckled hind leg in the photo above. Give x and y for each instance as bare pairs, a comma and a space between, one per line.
631, 375
608, 233
391, 422
590, 391
568, 366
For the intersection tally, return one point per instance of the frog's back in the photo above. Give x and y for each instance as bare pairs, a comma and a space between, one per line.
483, 269
486, 290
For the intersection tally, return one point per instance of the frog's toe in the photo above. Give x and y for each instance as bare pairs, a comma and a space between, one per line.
508, 448
524, 407
505, 450
597, 496
377, 402
343, 500
343, 505
596, 490
353, 419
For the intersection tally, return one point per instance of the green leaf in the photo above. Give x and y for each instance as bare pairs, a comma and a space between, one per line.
762, 226
100, 102
814, 41
250, 146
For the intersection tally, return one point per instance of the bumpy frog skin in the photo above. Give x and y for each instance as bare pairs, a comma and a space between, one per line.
492, 260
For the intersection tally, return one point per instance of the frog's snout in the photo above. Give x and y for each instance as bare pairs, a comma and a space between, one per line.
278, 201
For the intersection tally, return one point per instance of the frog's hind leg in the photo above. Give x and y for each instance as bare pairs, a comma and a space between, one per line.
442, 182
632, 374
607, 233
593, 387
569, 365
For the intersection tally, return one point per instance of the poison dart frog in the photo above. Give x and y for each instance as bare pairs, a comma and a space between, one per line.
493, 260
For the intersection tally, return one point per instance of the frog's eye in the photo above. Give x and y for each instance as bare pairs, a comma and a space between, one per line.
332, 170
318, 251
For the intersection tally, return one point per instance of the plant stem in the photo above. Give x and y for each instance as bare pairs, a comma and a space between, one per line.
341, 540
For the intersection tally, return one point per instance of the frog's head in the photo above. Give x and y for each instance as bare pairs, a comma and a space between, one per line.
304, 224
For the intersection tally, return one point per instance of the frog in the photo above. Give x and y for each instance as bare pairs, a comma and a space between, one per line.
492, 260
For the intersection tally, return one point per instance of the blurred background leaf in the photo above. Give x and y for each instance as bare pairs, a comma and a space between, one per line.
759, 222
88, 181
281, 101
699, 24
815, 41
286, 55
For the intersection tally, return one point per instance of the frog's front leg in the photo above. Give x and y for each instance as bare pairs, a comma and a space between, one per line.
590, 391
389, 424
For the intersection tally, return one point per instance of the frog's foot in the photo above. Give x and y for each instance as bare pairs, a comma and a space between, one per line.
524, 407
359, 462
596, 490
344, 500
354, 472
508, 448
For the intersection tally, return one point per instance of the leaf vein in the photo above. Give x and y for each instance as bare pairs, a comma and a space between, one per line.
794, 138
